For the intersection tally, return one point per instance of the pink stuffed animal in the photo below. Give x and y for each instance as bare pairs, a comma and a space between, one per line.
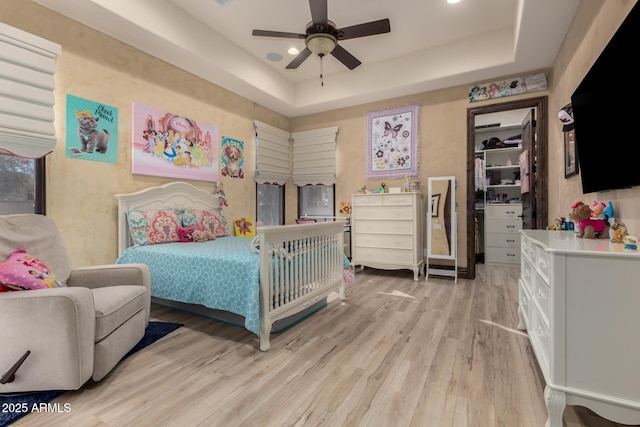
587, 227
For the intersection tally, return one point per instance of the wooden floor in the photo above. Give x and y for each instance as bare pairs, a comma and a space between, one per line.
396, 353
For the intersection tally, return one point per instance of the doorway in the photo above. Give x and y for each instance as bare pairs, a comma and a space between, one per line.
537, 213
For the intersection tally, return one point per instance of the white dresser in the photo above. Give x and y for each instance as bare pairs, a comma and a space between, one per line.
579, 301
386, 231
502, 227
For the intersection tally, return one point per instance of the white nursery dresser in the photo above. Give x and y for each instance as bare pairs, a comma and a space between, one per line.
386, 231
579, 301
502, 226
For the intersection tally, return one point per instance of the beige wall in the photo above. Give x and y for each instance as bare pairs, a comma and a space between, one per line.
593, 26
443, 145
93, 66
80, 194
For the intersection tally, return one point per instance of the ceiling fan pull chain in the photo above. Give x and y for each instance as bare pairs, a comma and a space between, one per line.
321, 71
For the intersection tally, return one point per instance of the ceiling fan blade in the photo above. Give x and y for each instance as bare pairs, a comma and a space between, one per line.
345, 57
362, 30
266, 33
299, 59
319, 14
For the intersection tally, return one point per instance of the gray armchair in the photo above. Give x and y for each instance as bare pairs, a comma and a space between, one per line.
72, 333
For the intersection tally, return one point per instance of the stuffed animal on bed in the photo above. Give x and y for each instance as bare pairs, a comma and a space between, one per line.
587, 227
203, 236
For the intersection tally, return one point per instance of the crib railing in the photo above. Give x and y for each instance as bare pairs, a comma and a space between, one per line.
299, 265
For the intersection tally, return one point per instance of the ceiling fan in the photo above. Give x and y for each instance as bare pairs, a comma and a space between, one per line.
321, 36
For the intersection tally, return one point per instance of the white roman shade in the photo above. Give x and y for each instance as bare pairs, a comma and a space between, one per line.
314, 157
273, 155
27, 67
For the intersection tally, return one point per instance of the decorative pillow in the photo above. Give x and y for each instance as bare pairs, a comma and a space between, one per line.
153, 227
211, 220
23, 272
186, 234
244, 227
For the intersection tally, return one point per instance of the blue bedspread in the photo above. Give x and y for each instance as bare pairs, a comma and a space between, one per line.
222, 274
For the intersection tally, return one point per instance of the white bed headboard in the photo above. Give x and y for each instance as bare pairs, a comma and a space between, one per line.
168, 196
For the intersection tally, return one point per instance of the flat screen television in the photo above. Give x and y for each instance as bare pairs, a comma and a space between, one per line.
606, 111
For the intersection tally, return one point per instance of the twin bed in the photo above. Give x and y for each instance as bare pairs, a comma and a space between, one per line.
270, 282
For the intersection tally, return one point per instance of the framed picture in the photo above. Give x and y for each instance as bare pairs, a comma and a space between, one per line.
435, 205
392, 142
244, 227
570, 157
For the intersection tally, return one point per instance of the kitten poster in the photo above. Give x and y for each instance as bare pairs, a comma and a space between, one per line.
92, 130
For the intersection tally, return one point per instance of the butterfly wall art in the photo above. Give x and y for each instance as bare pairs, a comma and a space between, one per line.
392, 142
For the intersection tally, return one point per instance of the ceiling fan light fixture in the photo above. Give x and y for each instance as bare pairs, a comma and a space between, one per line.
321, 44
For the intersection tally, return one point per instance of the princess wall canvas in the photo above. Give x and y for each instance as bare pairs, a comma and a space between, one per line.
172, 146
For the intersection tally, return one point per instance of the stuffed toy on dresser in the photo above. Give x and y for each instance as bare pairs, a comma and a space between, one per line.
588, 227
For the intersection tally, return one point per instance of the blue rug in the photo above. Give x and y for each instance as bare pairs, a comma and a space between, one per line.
11, 406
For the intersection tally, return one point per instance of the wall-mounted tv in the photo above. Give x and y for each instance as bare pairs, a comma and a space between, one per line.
606, 108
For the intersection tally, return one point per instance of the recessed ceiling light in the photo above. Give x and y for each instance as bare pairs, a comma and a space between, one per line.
293, 51
452, 1
275, 57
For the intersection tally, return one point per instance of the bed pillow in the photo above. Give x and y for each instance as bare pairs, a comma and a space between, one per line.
186, 234
153, 227
211, 220
22, 272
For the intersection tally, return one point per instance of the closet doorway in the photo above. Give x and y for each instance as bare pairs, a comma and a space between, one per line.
534, 141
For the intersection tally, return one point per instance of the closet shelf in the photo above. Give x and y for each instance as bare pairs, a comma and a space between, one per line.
503, 185
502, 167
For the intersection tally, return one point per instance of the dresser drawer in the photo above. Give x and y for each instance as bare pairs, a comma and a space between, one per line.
503, 211
543, 262
387, 212
508, 255
503, 240
502, 225
529, 250
396, 241
383, 255
524, 302
526, 274
367, 201
540, 293
383, 227
397, 199
540, 338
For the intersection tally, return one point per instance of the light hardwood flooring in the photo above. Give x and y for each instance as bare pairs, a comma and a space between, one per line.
396, 353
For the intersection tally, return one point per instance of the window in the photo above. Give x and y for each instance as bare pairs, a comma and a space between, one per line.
270, 204
316, 201
22, 185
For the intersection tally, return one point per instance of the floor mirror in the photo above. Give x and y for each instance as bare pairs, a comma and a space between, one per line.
442, 241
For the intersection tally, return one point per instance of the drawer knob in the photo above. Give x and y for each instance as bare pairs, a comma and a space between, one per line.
511, 241
511, 255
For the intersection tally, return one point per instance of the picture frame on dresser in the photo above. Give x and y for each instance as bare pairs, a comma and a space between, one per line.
570, 155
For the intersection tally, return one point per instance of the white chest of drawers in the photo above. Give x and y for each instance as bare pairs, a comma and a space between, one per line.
386, 231
579, 301
502, 233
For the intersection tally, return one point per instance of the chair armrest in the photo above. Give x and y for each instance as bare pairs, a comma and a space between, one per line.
100, 276
58, 326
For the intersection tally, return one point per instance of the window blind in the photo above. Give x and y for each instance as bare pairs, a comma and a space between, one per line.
27, 68
273, 155
314, 157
